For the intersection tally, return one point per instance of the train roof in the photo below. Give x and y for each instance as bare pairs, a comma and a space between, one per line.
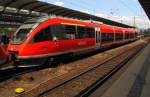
118, 30
129, 30
104, 27
107, 28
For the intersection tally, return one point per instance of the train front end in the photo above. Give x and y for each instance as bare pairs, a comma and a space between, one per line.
18, 46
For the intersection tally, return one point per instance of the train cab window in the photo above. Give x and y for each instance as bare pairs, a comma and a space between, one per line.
20, 36
43, 35
69, 31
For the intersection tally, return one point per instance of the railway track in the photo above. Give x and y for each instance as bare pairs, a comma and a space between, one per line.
100, 81
73, 80
83, 84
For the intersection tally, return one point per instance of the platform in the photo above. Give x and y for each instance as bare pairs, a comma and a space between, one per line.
131, 81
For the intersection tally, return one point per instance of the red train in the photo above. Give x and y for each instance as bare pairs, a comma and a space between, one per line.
40, 40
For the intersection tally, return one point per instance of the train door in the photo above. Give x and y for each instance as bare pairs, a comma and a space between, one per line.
98, 38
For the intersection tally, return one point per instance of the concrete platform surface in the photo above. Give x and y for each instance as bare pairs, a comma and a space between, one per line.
134, 81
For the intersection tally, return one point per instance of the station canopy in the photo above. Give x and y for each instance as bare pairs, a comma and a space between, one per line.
146, 6
15, 12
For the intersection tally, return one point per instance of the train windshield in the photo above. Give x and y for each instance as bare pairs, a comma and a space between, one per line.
22, 33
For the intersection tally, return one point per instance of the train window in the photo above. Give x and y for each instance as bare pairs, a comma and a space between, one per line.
107, 36
81, 32
104, 37
85, 32
118, 36
43, 35
111, 36
57, 32
131, 35
90, 32
125, 36
20, 36
69, 31
128, 36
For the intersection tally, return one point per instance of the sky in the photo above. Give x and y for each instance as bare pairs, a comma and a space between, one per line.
124, 11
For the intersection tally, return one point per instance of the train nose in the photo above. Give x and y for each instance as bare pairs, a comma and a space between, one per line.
12, 52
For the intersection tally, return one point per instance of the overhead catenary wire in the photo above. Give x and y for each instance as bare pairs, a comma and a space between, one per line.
130, 9
140, 8
133, 11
